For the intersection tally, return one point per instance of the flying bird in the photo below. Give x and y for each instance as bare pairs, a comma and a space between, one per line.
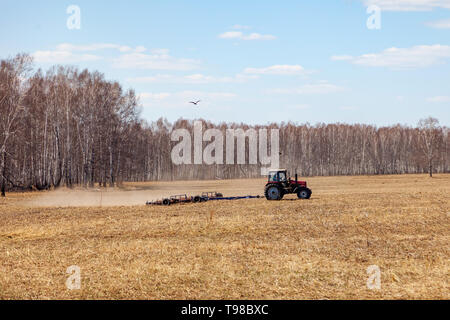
196, 103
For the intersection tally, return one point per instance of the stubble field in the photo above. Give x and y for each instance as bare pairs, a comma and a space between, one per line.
247, 249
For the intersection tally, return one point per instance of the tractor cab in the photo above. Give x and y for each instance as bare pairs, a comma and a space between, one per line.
278, 176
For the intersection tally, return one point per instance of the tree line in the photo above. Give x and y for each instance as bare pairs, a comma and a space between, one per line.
68, 127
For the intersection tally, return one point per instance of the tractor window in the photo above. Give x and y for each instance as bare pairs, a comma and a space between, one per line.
273, 177
282, 176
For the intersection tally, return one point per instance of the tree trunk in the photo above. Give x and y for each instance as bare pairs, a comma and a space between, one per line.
3, 179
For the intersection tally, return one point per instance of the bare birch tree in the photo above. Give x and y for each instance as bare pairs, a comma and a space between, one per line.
429, 131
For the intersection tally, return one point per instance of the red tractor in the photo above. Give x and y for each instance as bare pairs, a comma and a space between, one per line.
279, 184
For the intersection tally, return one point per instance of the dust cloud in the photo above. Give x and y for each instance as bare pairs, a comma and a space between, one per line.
136, 194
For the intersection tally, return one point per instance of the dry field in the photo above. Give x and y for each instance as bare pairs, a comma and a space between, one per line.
247, 249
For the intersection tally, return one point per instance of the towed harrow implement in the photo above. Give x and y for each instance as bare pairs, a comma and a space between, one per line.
204, 197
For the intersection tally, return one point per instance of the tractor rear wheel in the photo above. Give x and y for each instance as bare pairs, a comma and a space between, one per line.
273, 192
166, 202
304, 193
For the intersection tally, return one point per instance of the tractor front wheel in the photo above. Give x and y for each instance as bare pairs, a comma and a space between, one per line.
304, 193
273, 193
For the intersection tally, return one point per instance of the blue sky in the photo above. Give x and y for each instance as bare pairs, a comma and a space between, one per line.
252, 61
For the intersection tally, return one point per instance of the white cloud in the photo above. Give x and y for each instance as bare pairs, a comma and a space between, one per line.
98, 46
140, 49
231, 35
137, 58
408, 5
278, 70
207, 95
439, 99
201, 78
403, 58
153, 96
318, 88
241, 36
158, 59
246, 75
439, 24
72, 53
91, 47
159, 78
62, 57
191, 79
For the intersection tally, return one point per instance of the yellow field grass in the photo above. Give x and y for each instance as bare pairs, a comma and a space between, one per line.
246, 249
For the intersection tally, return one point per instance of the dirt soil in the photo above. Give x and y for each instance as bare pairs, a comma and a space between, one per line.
247, 249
